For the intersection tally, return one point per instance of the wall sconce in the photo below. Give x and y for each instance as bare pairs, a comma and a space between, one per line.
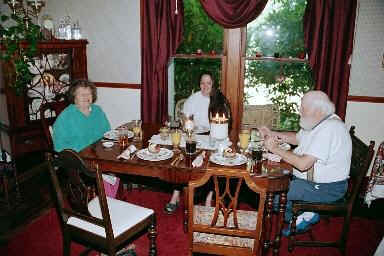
32, 8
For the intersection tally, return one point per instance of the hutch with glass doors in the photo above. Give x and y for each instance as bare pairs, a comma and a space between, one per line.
58, 62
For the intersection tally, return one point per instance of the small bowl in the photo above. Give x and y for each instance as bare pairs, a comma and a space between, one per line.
108, 144
154, 148
228, 153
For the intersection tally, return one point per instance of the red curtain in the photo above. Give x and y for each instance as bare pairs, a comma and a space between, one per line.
161, 34
233, 13
328, 34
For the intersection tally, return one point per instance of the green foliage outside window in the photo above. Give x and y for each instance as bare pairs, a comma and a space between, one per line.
200, 32
280, 32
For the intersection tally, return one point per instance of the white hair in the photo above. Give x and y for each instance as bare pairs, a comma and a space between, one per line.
318, 100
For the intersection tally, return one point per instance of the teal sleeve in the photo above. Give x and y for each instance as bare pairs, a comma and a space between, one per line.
61, 137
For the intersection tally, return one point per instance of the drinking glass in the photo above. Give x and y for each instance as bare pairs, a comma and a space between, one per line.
244, 140
176, 138
123, 137
257, 157
136, 130
164, 133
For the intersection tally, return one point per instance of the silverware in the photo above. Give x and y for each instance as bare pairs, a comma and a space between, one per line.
174, 160
181, 158
133, 154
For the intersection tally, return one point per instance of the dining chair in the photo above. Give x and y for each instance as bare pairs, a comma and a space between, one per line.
361, 159
179, 109
48, 114
90, 218
225, 229
261, 115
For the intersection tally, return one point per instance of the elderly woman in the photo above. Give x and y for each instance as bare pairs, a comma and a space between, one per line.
82, 122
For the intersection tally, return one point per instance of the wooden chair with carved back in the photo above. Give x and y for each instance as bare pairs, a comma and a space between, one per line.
225, 229
362, 155
90, 218
48, 114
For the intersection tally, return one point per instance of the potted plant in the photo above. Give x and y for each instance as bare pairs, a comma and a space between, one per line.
18, 46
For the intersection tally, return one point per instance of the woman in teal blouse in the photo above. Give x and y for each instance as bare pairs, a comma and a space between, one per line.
82, 122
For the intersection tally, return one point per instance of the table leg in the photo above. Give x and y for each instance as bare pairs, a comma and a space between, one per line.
279, 226
268, 222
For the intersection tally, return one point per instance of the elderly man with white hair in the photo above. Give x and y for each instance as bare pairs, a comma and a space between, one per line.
321, 159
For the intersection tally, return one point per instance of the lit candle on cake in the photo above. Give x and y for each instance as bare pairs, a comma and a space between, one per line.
219, 127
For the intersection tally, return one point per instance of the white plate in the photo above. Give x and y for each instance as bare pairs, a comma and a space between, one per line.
201, 129
164, 154
218, 158
285, 146
114, 135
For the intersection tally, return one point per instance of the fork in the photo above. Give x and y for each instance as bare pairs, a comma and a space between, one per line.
181, 158
175, 160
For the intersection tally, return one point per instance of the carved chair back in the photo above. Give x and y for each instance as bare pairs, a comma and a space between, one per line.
225, 229
48, 114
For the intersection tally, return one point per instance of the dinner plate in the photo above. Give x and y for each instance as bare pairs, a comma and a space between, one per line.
164, 154
218, 158
285, 146
201, 129
114, 135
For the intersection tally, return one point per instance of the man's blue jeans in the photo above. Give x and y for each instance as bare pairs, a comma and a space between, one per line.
304, 190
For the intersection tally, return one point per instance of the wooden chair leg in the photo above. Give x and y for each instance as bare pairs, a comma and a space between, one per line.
292, 237
66, 245
152, 234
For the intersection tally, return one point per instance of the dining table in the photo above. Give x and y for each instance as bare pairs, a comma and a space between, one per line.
275, 176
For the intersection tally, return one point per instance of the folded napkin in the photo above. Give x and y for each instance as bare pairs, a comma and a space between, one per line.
272, 157
199, 160
127, 153
109, 179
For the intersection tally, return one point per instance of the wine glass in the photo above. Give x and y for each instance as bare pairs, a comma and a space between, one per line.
136, 130
244, 136
176, 138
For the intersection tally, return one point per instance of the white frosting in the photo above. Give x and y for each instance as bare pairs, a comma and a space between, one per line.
219, 131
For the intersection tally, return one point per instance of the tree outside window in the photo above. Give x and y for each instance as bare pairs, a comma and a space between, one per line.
276, 70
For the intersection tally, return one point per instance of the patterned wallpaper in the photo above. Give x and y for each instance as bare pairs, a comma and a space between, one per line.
367, 71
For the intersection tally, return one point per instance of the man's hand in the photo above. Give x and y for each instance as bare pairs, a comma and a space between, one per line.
271, 143
265, 132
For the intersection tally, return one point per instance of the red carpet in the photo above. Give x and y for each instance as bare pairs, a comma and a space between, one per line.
43, 236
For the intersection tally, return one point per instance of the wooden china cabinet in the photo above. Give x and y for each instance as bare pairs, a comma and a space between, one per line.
56, 65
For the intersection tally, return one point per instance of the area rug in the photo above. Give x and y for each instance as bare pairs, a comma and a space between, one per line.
43, 237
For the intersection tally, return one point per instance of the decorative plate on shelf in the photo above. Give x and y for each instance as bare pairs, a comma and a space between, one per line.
164, 154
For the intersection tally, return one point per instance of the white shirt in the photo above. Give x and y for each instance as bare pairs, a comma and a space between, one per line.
197, 105
331, 144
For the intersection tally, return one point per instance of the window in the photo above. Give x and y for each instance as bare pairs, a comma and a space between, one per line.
201, 50
276, 71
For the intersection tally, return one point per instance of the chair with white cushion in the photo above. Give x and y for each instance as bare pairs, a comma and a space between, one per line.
90, 218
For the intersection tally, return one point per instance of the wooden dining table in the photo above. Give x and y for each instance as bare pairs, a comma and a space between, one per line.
275, 176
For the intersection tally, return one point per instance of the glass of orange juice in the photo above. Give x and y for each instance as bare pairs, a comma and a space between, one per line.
136, 130
244, 137
176, 138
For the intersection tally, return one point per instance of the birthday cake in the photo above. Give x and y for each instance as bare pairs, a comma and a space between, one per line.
219, 131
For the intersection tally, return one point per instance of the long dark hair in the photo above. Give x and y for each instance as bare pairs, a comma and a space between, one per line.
219, 104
